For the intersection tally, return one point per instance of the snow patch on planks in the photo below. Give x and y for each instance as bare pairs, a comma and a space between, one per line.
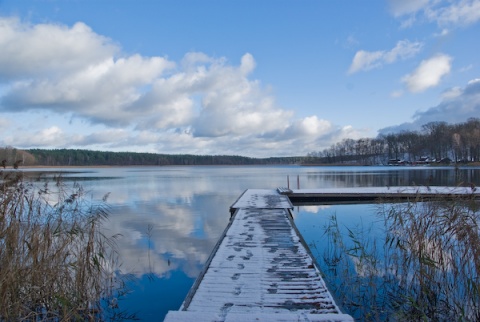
262, 199
261, 270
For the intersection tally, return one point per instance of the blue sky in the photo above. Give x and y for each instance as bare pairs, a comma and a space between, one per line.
246, 77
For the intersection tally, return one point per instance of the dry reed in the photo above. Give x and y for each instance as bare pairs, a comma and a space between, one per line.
425, 268
55, 262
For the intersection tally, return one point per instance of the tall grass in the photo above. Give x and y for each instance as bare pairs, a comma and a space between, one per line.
425, 268
55, 262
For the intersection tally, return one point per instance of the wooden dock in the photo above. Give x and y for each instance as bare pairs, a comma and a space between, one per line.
371, 194
261, 270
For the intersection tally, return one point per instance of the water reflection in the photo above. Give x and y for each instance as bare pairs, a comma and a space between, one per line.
171, 217
415, 252
164, 235
403, 177
354, 222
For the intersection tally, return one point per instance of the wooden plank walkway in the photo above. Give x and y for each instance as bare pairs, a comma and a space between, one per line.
369, 194
260, 270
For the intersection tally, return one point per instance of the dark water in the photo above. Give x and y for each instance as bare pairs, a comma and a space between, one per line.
171, 217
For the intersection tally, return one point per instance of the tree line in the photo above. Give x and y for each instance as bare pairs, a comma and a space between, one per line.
435, 142
74, 157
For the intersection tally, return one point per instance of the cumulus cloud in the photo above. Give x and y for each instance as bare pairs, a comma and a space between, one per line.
457, 105
49, 49
201, 104
428, 74
365, 60
49, 136
309, 126
101, 92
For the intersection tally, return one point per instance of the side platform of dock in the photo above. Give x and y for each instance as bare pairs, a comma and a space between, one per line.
372, 194
261, 270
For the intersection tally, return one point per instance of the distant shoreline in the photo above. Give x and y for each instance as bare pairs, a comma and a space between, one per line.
472, 164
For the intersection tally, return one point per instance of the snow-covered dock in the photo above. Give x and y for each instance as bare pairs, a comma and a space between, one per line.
261, 270
368, 194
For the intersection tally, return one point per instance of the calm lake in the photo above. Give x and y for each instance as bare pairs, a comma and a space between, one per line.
171, 217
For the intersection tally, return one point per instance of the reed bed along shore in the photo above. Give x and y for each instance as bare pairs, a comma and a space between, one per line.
424, 266
56, 264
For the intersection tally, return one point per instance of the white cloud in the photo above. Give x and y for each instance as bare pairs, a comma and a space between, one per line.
405, 7
463, 12
248, 64
194, 59
442, 12
475, 81
409, 22
428, 74
203, 104
102, 92
49, 49
444, 32
364, 60
50, 136
452, 93
309, 126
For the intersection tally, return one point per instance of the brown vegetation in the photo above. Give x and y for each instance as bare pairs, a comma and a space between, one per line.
11, 157
426, 269
55, 262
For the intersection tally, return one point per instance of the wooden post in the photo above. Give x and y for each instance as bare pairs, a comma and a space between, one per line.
298, 182
288, 181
